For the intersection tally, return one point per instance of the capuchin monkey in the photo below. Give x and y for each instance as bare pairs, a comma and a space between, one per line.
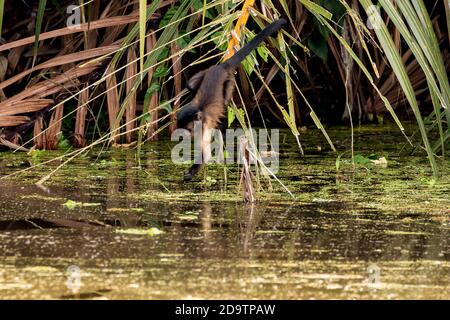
213, 89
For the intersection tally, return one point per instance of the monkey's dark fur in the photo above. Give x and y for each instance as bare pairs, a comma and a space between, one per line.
213, 89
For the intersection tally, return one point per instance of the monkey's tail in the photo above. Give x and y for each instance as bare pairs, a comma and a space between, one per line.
239, 56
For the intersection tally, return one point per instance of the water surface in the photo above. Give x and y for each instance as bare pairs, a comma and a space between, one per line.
139, 232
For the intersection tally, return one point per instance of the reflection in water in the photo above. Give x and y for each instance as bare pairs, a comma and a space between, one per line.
321, 230
247, 222
206, 221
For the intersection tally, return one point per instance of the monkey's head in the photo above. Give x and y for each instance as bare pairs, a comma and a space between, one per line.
187, 116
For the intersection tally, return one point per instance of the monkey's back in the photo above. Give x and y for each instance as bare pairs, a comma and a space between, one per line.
210, 95
211, 89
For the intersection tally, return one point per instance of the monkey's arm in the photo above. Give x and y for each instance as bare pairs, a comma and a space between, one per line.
228, 91
203, 156
200, 159
193, 170
188, 114
194, 83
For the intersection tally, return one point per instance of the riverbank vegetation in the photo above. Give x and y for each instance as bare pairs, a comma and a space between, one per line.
112, 73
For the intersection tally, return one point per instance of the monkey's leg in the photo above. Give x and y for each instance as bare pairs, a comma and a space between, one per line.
194, 83
195, 168
228, 90
204, 156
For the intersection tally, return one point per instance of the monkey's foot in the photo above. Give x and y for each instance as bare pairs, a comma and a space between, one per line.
193, 170
188, 176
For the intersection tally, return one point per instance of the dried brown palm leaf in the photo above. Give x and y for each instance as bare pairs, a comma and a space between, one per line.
92, 35
152, 132
176, 68
103, 23
130, 75
63, 60
25, 106
39, 139
14, 57
53, 131
154, 100
12, 145
3, 69
112, 99
46, 88
12, 121
246, 180
80, 121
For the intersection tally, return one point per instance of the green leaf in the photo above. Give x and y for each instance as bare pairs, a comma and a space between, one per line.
200, 5
63, 143
361, 160
2, 8
241, 113
249, 64
36, 156
320, 29
219, 40
317, 9
336, 8
39, 18
168, 16
184, 41
262, 51
319, 46
142, 31
70, 204
338, 162
154, 87
165, 105
161, 71
231, 116
164, 53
